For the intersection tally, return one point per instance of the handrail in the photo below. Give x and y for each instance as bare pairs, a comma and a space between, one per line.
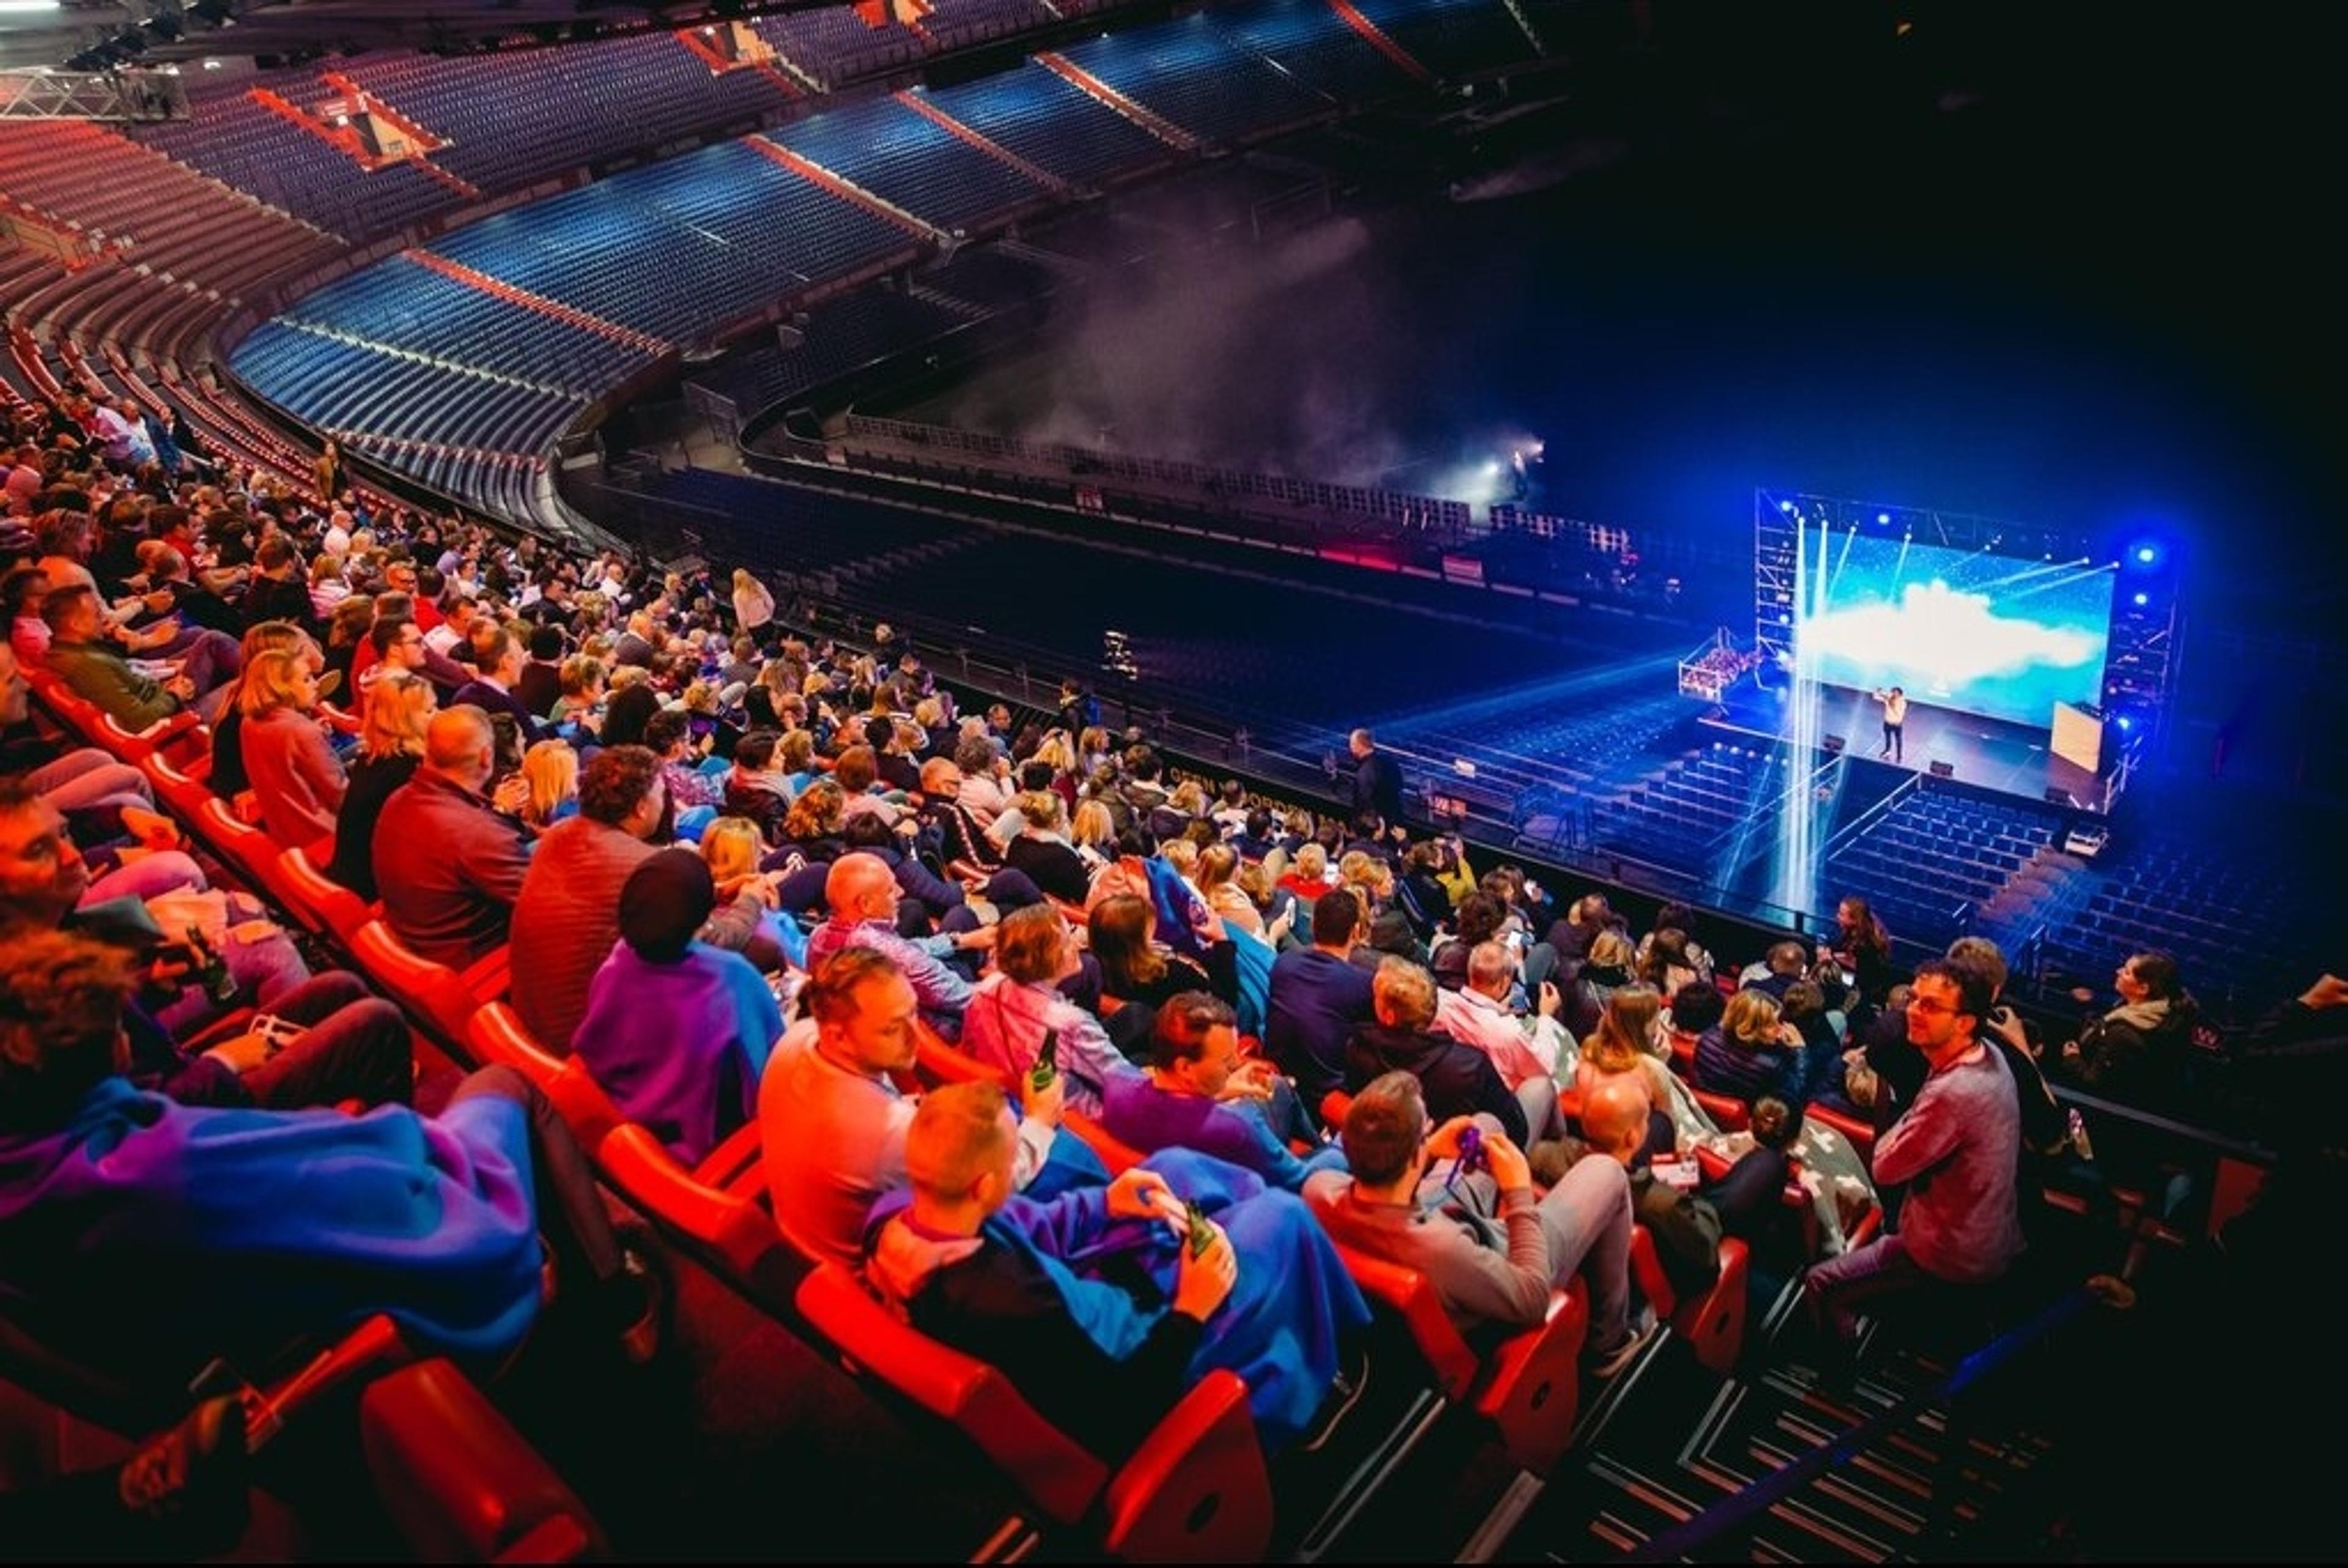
1690, 1539
1858, 825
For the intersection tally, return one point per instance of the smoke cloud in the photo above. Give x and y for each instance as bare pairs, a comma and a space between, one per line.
1282, 358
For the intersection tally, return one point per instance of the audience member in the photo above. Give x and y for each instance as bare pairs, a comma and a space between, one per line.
1201, 1093
207, 1231
448, 867
1477, 1014
1102, 1326
1458, 1080
390, 749
1954, 1150
1319, 997
832, 1113
863, 894
294, 773
567, 914
675, 1030
1753, 1051
1491, 1250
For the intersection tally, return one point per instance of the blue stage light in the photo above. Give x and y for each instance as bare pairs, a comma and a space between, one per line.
2144, 554
2142, 599
1883, 517
1784, 506
2125, 724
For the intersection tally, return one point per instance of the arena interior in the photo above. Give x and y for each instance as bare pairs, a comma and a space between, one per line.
635, 628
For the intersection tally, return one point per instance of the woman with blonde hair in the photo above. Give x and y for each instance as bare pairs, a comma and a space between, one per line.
1606, 970
228, 777
295, 774
1621, 1049
391, 744
1368, 876
731, 848
754, 607
1308, 875
1042, 850
742, 922
1752, 1051
550, 768
1019, 999
1092, 833
1217, 882
810, 830
329, 591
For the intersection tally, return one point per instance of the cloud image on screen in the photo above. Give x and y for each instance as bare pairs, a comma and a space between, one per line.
1980, 633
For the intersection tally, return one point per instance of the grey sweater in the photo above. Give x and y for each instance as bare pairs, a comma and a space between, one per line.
1956, 1149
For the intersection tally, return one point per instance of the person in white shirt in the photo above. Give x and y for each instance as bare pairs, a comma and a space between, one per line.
1525, 1052
456, 626
1895, 720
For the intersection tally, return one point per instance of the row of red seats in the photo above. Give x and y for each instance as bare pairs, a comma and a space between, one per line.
1196, 1489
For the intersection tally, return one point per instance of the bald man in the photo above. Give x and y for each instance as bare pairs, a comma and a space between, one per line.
448, 865
861, 892
1686, 1227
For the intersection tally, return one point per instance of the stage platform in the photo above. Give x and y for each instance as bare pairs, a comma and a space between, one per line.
2012, 759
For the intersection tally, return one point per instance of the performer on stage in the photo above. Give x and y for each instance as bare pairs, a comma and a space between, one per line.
1895, 720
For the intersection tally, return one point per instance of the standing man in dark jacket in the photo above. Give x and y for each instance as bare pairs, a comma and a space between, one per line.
1377, 779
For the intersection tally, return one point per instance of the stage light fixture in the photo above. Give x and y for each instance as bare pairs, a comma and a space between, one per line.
1883, 517
2142, 599
2124, 723
1784, 506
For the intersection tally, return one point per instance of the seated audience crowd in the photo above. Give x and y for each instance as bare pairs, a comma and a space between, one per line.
752, 877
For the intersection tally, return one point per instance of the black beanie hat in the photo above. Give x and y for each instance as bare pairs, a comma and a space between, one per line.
665, 901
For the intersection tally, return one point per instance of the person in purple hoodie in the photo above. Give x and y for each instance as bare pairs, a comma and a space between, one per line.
677, 1032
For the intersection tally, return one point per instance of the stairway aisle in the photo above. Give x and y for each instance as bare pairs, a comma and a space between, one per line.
1964, 1479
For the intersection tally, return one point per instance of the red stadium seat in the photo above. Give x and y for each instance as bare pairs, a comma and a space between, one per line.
137, 745
461, 1484
434, 993
181, 785
318, 897
1728, 1114
1712, 1324
706, 1205
498, 1039
1195, 1491
250, 852
1528, 1387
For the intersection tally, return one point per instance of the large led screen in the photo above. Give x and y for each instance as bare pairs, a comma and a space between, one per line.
1983, 633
